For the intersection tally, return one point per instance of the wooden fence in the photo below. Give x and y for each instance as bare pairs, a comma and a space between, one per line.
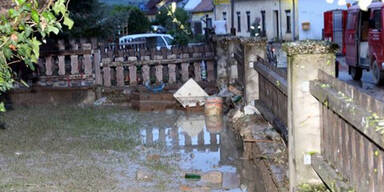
130, 67
352, 127
273, 94
125, 67
68, 68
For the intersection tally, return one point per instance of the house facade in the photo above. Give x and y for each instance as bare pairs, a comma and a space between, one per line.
202, 16
311, 12
279, 19
276, 17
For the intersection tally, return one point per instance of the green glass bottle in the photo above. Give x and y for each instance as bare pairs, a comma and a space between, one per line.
192, 176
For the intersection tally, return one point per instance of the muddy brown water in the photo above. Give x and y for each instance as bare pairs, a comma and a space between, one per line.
63, 154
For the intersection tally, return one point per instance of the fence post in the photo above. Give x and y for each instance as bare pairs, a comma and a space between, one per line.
232, 63
96, 64
74, 59
61, 58
106, 71
87, 59
253, 48
222, 60
48, 65
304, 60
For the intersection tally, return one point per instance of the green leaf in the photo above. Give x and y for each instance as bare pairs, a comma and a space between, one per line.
2, 107
53, 29
24, 83
12, 13
35, 16
68, 22
20, 2
36, 46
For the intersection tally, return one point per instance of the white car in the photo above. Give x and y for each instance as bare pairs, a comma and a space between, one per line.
148, 40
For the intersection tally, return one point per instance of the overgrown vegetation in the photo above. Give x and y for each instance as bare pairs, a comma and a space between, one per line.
22, 30
131, 17
313, 188
95, 19
68, 122
89, 17
176, 21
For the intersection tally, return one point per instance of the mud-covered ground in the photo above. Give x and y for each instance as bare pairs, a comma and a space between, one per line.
117, 149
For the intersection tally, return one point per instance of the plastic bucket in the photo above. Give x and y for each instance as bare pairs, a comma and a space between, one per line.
214, 106
214, 124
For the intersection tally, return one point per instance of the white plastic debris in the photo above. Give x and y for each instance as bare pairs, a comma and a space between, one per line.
238, 114
191, 94
100, 101
250, 110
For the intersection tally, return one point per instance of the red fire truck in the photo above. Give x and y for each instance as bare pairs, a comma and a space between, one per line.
362, 39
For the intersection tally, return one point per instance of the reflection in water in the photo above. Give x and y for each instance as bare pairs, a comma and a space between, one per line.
205, 144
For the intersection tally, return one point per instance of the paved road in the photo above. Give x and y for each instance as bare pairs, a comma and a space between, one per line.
366, 84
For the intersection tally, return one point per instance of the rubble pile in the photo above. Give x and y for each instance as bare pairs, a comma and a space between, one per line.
262, 144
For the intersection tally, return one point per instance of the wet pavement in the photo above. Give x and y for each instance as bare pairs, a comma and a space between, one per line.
366, 84
113, 149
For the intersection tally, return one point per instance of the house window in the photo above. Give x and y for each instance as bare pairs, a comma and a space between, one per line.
224, 16
209, 23
288, 14
277, 29
238, 22
248, 21
263, 23
377, 19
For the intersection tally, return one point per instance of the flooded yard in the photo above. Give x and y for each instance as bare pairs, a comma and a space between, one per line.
115, 149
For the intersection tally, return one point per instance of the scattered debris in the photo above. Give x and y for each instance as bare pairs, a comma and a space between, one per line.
237, 115
142, 175
224, 92
234, 90
100, 101
191, 94
213, 177
192, 176
270, 133
261, 141
194, 189
250, 110
243, 188
230, 180
155, 89
214, 106
153, 157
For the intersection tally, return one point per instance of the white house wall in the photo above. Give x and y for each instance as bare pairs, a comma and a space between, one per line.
255, 7
196, 17
313, 11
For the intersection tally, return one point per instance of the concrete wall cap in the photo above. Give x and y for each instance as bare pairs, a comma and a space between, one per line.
243, 40
309, 47
225, 38
261, 41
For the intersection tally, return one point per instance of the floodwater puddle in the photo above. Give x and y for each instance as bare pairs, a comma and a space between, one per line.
204, 145
70, 148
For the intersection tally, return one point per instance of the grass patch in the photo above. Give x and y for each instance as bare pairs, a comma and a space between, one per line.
159, 166
50, 128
